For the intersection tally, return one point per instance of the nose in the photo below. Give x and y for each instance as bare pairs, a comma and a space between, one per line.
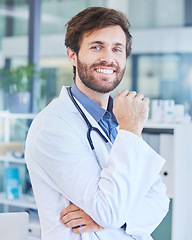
107, 56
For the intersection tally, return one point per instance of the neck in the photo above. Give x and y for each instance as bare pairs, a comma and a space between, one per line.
100, 98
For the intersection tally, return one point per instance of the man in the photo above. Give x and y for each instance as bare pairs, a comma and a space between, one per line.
114, 192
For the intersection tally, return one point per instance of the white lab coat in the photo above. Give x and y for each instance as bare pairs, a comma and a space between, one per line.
63, 170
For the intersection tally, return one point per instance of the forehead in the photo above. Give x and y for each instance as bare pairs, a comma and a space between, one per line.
108, 35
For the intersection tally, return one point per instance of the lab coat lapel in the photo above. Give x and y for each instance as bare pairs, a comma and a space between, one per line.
102, 149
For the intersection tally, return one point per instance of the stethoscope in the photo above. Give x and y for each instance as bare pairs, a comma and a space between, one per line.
90, 127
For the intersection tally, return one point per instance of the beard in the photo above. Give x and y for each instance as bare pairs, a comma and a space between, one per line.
86, 75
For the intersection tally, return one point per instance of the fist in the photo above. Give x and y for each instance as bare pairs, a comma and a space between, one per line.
80, 222
131, 110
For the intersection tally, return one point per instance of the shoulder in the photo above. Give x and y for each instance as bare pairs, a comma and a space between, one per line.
59, 122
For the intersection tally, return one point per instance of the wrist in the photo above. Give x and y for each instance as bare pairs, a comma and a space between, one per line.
136, 131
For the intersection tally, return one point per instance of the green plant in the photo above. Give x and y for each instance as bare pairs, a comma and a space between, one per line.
17, 79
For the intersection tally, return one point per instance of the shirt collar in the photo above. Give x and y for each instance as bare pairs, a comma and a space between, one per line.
93, 108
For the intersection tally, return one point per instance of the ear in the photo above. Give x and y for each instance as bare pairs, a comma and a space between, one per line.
72, 56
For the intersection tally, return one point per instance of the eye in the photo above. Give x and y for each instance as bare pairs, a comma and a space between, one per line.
96, 47
117, 50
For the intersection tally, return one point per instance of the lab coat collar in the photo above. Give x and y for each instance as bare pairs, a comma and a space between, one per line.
64, 97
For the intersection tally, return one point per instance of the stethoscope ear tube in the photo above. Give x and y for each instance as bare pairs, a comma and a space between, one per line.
90, 127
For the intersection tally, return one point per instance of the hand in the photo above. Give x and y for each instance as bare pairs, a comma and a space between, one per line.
131, 110
75, 218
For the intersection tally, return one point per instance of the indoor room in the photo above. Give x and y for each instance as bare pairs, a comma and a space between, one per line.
35, 65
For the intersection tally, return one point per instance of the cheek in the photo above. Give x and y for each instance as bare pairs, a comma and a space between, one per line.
120, 67
88, 57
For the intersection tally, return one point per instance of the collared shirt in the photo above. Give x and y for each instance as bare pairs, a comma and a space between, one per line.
105, 118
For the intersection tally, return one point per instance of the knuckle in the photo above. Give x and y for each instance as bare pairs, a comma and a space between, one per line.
61, 220
125, 91
147, 99
68, 217
81, 211
62, 213
139, 96
121, 95
71, 224
68, 224
133, 93
68, 208
65, 220
88, 220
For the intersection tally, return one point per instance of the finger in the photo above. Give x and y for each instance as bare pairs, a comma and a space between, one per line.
81, 229
123, 93
70, 216
88, 228
74, 223
132, 94
70, 208
146, 99
140, 96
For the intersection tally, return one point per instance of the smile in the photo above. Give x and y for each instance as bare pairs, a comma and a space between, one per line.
103, 70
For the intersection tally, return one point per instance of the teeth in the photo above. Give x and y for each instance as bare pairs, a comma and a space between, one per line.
107, 71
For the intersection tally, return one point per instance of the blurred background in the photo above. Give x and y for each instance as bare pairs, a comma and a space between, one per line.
161, 62
33, 61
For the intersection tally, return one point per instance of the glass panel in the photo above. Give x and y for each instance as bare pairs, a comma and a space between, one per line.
156, 13
158, 76
58, 70
14, 21
55, 14
166, 77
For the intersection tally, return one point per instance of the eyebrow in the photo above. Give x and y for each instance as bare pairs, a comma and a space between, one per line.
102, 43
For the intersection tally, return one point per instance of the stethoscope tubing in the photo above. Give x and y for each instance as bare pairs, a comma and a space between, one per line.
90, 127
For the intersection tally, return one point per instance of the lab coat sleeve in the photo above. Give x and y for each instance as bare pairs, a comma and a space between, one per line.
148, 214
142, 165
108, 195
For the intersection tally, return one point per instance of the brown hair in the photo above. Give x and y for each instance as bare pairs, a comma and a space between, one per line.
94, 18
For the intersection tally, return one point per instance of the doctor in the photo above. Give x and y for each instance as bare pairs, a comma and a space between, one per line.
113, 190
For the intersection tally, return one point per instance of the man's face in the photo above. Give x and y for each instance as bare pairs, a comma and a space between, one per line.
101, 59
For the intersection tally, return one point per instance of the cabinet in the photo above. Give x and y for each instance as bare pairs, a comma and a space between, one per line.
173, 142
25, 202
